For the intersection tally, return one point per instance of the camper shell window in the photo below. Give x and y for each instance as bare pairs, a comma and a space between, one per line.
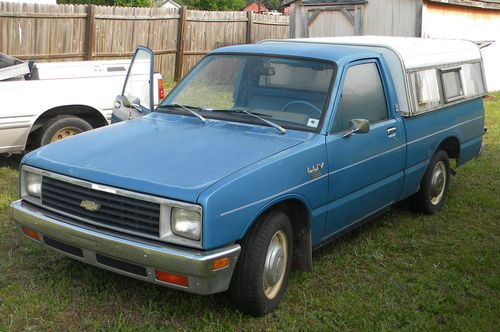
433, 88
452, 84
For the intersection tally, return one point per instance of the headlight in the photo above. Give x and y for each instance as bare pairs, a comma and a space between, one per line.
186, 223
32, 184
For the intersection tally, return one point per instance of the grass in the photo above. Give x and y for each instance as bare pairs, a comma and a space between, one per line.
402, 271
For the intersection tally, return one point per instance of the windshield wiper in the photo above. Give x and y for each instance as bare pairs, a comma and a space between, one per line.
255, 115
189, 109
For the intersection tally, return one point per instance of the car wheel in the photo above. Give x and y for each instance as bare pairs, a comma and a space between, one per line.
262, 271
61, 127
434, 186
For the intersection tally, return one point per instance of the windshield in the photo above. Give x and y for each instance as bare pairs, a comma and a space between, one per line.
289, 91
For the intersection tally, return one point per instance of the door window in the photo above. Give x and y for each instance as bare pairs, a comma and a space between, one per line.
362, 97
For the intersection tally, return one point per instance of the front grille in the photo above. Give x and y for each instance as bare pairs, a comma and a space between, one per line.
117, 212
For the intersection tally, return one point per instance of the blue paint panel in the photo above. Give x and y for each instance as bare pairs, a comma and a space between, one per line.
233, 204
318, 51
463, 121
469, 150
165, 155
366, 170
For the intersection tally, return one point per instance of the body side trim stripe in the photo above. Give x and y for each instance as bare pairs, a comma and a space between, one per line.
344, 168
443, 130
273, 196
367, 159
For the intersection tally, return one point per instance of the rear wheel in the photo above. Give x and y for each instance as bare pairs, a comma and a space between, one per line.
61, 127
434, 186
262, 271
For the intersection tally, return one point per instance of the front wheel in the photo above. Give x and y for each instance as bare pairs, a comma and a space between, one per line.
434, 186
262, 271
61, 127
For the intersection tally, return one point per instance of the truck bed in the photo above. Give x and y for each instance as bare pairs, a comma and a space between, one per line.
11, 67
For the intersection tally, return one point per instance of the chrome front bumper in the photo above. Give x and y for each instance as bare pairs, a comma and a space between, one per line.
126, 255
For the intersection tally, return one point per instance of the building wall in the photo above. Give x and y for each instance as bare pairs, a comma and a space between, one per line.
392, 18
445, 21
379, 17
412, 18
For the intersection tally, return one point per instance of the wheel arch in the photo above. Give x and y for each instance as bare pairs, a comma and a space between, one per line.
451, 145
88, 113
298, 210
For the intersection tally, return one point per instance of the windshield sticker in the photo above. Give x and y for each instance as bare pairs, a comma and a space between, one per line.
313, 123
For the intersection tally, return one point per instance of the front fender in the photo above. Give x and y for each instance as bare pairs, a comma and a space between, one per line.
232, 205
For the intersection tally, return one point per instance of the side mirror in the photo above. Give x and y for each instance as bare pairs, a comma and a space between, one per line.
357, 126
124, 102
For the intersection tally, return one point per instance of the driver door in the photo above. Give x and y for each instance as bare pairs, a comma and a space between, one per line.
136, 99
366, 169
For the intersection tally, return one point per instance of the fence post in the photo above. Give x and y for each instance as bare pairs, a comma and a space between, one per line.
249, 26
90, 32
179, 62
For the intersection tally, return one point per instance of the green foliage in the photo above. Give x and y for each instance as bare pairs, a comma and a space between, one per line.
193, 4
271, 4
120, 3
227, 4
214, 4
133, 3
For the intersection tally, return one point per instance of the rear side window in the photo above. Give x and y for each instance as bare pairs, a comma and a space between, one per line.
452, 84
425, 88
435, 87
362, 97
473, 83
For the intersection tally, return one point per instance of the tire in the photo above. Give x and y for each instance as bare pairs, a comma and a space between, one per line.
256, 288
60, 127
434, 186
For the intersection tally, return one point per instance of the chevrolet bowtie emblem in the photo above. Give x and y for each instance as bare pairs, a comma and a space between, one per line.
89, 205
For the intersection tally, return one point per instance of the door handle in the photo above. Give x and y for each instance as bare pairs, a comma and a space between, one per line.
391, 131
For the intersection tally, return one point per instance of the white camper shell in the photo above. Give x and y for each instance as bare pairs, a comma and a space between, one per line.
428, 74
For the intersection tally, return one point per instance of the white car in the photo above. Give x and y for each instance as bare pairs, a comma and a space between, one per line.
45, 102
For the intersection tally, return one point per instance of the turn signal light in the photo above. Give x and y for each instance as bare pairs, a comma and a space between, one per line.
172, 278
31, 233
220, 263
161, 91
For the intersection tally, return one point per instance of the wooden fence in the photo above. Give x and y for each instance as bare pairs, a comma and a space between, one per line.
179, 38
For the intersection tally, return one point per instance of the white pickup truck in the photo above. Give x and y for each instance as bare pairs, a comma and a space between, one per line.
46, 102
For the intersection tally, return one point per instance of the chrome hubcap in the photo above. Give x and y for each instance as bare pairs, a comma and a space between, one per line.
275, 264
64, 133
438, 182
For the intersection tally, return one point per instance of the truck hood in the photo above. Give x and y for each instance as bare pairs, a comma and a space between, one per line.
164, 155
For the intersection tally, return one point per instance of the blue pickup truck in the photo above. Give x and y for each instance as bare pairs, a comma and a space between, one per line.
260, 155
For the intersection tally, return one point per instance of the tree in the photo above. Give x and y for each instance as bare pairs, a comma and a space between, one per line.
270, 4
215, 4
121, 3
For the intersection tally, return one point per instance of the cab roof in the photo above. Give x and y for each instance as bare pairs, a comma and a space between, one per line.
293, 48
413, 52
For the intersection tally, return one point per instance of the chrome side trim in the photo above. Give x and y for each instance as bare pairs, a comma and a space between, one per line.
193, 263
344, 168
443, 130
271, 197
367, 159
